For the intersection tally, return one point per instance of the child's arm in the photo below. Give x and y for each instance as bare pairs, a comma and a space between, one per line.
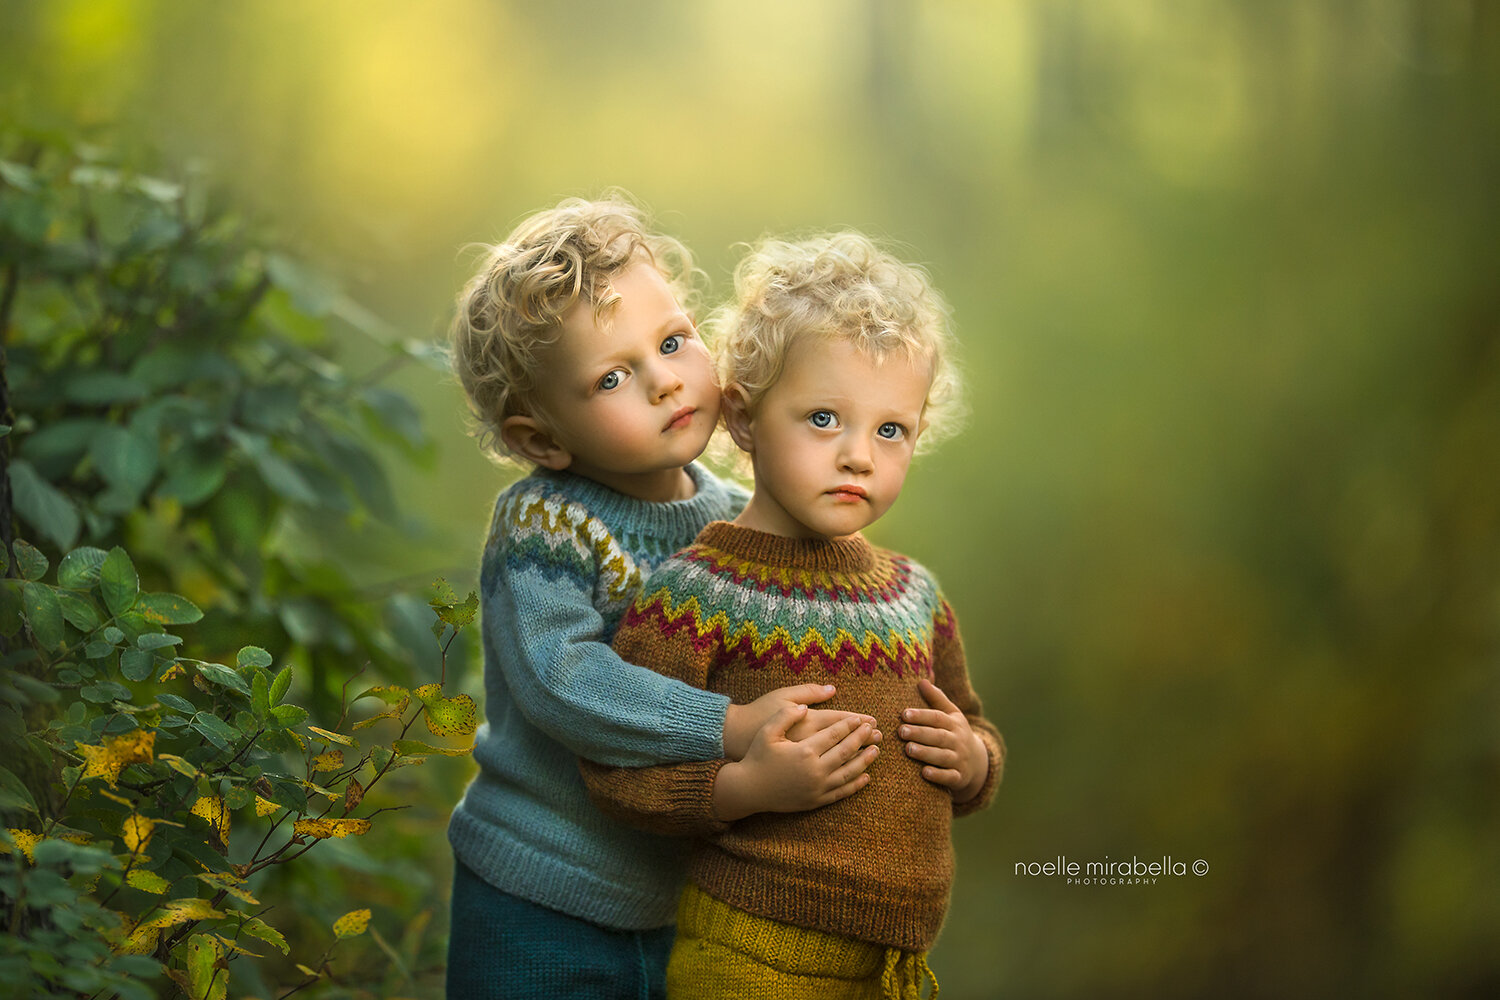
777, 775
960, 748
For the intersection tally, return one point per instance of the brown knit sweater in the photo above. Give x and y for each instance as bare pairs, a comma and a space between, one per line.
743, 612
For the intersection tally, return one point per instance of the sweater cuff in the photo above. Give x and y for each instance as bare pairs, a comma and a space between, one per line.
994, 745
693, 724
694, 801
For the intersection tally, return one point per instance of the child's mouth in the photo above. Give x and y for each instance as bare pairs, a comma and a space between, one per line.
680, 419
848, 494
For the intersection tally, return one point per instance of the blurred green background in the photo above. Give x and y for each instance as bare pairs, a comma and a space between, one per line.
1224, 526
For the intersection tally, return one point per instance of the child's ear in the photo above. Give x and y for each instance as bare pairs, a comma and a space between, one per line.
528, 438
736, 410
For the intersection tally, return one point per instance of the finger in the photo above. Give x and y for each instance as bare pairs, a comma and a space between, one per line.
824, 740
931, 737
845, 790
947, 777
847, 748
854, 768
938, 756
930, 717
777, 725
806, 694
934, 696
828, 716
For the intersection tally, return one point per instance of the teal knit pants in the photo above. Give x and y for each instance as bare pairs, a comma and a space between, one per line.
502, 946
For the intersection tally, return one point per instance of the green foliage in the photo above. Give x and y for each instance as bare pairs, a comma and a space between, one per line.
176, 392
195, 469
146, 868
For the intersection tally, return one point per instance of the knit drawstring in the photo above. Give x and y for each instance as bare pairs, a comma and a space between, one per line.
905, 973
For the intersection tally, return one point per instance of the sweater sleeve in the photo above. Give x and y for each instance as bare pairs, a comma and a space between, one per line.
675, 799
548, 641
952, 675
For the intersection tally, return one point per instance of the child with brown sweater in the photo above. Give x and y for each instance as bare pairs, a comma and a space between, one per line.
835, 360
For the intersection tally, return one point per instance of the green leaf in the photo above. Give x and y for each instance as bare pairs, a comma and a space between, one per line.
102, 692
138, 664
99, 388
260, 695
79, 569
220, 674
43, 613
157, 640
194, 473
168, 609
42, 506
202, 953
79, 611
126, 460
393, 411
289, 715
30, 562
280, 685
416, 748
179, 703
258, 928
309, 292
14, 795
118, 581
253, 656
215, 730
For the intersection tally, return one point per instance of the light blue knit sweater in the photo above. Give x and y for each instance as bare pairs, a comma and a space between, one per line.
563, 561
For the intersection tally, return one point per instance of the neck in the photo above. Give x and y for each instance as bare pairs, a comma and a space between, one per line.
658, 486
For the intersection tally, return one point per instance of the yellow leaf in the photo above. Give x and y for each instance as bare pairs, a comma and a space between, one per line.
264, 807
232, 946
175, 671
180, 911
351, 924
325, 828
135, 832
454, 716
330, 761
141, 941
179, 765
332, 737
213, 809
354, 794
230, 884
26, 842
139, 878
116, 753
313, 973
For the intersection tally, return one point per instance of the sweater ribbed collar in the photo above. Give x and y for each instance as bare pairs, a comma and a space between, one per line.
678, 519
850, 554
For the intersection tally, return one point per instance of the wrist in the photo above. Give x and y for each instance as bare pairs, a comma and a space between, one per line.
739, 731
732, 793
978, 773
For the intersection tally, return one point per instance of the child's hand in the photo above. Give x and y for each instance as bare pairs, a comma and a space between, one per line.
941, 738
779, 774
743, 722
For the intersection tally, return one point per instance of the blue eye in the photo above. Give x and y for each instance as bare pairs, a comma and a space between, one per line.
612, 380
822, 419
892, 431
672, 344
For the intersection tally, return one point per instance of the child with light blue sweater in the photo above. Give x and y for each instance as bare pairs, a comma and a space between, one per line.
577, 357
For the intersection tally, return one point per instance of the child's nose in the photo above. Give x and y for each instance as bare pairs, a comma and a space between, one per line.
664, 381
854, 454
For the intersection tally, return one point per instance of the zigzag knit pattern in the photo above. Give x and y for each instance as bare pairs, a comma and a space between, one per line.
883, 619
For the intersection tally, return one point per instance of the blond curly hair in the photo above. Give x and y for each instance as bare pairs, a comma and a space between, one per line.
836, 285
515, 304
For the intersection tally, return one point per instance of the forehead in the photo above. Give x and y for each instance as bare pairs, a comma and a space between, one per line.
639, 305
830, 367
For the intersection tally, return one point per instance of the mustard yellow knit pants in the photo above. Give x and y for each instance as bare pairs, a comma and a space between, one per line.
722, 952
